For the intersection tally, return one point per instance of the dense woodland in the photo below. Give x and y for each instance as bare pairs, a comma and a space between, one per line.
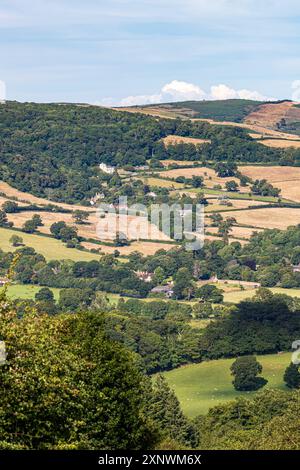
54, 150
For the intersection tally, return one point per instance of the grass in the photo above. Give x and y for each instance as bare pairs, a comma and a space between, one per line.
20, 291
199, 387
233, 195
239, 295
162, 183
49, 247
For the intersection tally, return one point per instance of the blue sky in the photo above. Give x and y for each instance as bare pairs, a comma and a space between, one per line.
134, 51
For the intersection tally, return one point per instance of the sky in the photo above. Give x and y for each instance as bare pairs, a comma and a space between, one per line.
126, 52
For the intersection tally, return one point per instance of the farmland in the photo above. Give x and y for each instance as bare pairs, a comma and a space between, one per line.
19, 291
268, 218
209, 175
47, 246
202, 386
280, 143
177, 139
286, 178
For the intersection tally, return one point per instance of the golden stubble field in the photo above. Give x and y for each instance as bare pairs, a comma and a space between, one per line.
96, 228
10, 192
177, 139
286, 178
268, 218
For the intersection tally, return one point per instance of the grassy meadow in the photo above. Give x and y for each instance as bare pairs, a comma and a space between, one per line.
49, 247
202, 386
20, 291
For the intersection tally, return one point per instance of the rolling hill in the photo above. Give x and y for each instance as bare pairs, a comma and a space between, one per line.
283, 116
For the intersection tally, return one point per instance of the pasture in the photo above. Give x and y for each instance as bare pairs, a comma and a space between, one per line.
47, 246
236, 295
199, 387
20, 291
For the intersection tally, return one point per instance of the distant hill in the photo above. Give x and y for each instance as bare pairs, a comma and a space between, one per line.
220, 110
283, 116
54, 150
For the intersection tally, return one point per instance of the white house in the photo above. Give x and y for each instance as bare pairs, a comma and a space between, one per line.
107, 169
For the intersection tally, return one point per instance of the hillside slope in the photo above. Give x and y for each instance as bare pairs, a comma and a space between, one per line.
282, 116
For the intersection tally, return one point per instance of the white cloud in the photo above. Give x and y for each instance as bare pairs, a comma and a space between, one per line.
223, 92
141, 99
181, 91
178, 90
296, 90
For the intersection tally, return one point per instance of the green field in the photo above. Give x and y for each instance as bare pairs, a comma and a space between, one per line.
202, 386
15, 291
47, 246
239, 295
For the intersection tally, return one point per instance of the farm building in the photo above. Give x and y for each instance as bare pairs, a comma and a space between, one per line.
166, 290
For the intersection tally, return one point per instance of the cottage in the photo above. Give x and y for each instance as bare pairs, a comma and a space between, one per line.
107, 169
166, 290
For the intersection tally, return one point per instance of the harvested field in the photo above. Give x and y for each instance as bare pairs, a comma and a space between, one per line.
280, 218
29, 198
177, 139
237, 232
133, 227
146, 248
286, 178
280, 143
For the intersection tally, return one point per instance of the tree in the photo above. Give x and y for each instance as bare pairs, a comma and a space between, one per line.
15, 240
197, 181
80, 217
159, 275
231, 186
4, 221
32, 224
245, 371
64, 232
68, 387
68, 233
29, 226
72, 299
183, 285
37, 220
10, 207
203, 310
216, 219
225, 169
56, 228
210, 293
164, 409
44, 294
292, 376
